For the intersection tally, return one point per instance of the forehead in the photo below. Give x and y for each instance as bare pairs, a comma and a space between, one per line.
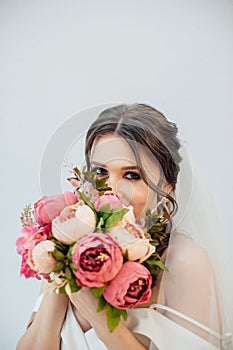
114, 149
111, 147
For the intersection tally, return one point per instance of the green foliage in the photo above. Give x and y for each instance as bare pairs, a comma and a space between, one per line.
59, 266
86, 200
156, 232
98, 184
58, 255
74, 286
68, 273
97, 291
126, 255
115, 217
73, 266
113, 316
158, 263
101, 304
62, 290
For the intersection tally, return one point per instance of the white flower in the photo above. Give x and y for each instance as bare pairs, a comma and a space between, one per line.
131, 238
41, 259
74, 222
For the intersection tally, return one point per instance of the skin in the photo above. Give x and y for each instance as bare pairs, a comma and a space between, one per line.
124, 175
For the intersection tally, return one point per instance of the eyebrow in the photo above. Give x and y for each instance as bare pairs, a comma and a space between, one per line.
130, 167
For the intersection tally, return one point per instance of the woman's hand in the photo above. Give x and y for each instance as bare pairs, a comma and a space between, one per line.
87, 305
44, 330
120, 338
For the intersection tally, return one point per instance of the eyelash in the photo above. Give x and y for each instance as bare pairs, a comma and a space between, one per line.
104, 172
136, 176
102, 169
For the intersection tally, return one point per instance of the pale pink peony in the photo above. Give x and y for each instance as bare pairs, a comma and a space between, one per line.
131, 286
137, 248
47, 208
98, 258
73, 223
40, 258
129, 219
131, 238
108, 198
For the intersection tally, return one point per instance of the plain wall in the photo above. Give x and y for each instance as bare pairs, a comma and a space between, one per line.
60, 57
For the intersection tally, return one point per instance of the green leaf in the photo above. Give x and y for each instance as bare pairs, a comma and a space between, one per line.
77, 172
115, 217
97, 292
68, 273
58, 255
59, 266
75, 288
113, 317
103, 214
154, 229
101, 304
84, 169
100, 223
105, 208
86, 201
61, 290
71, 250
60, 246
73, 266
124, 314
157, 263
73, 285
104, 189
102, 183
126, 255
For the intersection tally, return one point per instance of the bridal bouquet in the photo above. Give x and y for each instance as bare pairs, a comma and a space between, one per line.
90, 239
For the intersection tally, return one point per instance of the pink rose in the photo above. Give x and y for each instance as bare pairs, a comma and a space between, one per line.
131, 286
47, 208
40, 258
98, 258
108, 198
73, 223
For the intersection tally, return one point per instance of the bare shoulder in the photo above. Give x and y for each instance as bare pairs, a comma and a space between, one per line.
185, 255
187, 284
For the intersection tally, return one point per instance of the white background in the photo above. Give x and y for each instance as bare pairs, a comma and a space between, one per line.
60, 57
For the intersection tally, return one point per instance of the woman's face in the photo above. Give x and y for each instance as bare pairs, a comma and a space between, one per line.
112, 156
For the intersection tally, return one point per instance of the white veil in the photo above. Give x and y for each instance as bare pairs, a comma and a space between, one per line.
196, 223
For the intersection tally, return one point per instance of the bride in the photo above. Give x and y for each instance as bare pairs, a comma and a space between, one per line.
148, 167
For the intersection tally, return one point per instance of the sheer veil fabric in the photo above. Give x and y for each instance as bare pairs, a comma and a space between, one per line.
196, 241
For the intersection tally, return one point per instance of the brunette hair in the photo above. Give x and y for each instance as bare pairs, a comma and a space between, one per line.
143, 125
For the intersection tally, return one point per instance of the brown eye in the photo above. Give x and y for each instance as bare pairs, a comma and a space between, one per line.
132, 176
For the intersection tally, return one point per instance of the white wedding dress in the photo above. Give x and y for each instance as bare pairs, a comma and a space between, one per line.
151, 327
